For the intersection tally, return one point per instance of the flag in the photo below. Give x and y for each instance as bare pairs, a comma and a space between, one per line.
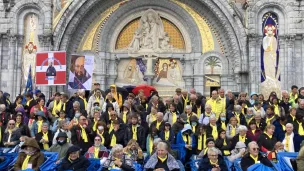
29, 82
51, 68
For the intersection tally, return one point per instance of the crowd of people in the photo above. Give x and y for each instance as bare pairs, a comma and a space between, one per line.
159, 133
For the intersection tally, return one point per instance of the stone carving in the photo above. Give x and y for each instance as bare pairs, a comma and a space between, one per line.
150, 35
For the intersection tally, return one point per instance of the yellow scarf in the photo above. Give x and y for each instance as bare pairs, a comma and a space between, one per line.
83, 134
287, 143
198, 112
101, 136
293, 118
39, 123
17, 124
214, 132
300, 130
41, 108
193, 129
157, 124
201, 141
223, 125
63, 107
226, 152
253, 131
269, 119
162, 159
283, 127
206, 149
254, 158
45, 137
113, 140
28, 102
111, 127
57, 106
96, 152
124, 116
95, 124
84, 101
25, 162
173, 117
186, 138
270, 136
242, 138
134, 129
186, 100
167, 135
258, 110
213, 163
97, 99
153, 116
237, 118
276, 109
151, 145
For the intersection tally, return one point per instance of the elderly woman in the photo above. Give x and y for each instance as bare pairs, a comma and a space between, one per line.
23, 128
232, 128
214, 162
29, 156
209, 144
212, 128
238, 152
118, 160
250, 115
45, 137
204, 119
98, 151
152, 116
171, 115
253, 133
74, 161
37, 124
62, 116
103, 133
134, 151
222, 122
162, 160
270, 115
63, 126
260, 123
223, 143
241, 136
11, 135
267, 140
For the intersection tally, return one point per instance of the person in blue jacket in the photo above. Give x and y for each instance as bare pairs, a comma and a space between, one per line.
185, 138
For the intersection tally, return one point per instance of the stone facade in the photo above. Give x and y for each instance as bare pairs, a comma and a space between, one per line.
235, 25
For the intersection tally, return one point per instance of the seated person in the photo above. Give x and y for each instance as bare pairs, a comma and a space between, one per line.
254, 157
214, 161
118, 160
73, 160
278, 147
238, 152
29, 156
11, 135
162, 160
17, 148
98, 151
61, 146
134, 151
267, 140
209, 144
45, 137
222, 143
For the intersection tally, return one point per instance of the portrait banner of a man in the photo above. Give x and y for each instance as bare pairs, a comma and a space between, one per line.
51, 68
81, 71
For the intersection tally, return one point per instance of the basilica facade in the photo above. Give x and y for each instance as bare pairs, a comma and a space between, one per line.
241, 45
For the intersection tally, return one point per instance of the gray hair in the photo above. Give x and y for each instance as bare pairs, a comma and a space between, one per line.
242, 128
188, 107
212, 117
162, 145
208, 106
45, 124
160, 113
154, 97
238, 108
252, 143
157, 140
76, 103
81, 92
289, 124
228, 91
251, 109
116, 147
214, 150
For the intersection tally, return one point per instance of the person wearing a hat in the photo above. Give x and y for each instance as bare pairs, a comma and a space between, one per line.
136, 131
96, 97
61, 147
186, 139
37, 124
117, 96
253, 98
45, 137
125, 113
238, 152
30, 156
74, 161
179, 124
39, 94
167, 134
118, 134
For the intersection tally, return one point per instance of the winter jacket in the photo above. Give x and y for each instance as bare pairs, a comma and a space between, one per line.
247, 161
36, 159
114, 103
266, 143
217, 106
236, 139
60, 149
79, 164
90, 105
140, 134
169, 118
219, 143
169, 164
228, 131
39, 136
121, 136
101, 154
78, 140
14, 137
255, 136
205, 164
34, 129
171, 138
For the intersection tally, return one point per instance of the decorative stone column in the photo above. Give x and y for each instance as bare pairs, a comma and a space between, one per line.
11, 80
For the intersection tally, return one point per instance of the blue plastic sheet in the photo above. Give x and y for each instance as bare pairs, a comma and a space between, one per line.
259, 166
49, 163
9, 158
284, 164
95, 165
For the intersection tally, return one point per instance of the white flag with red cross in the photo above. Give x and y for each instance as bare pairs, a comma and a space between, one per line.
51, 68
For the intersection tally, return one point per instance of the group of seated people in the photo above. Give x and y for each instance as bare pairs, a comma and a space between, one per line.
157, 134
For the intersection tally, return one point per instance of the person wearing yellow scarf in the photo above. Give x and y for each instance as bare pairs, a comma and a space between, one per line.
56, 107
84, 101
46, 140
134, 132
117, 96
185, 99
300, 128
269, 119
83, 134
25, 162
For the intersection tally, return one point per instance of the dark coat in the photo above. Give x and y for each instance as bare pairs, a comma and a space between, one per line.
14, 137
247, 161
177, 126
81, 102
39, 136
242, 118
161, 107
194, 109
286, 107
140, 134
179, 107
296, 127
235, 139
262, 125
161, 126
78, 140
265, 143
121, 136
4, 119
24, 130
297, 139
219, 143
278, 132
205, 164
171, 139
27, 108
37, 159
79, 164
290, 119
255, 136
209, 131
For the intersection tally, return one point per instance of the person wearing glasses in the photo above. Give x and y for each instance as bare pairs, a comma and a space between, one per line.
81, 134
254, 157
98, 150
11, 135
213, 162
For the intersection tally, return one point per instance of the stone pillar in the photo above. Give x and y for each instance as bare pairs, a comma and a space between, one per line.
112, 70
298, 59
18, 70
188, 74
253, 63
290, 66
11, 84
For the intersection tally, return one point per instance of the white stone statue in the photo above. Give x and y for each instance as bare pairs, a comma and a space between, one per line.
150, 35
